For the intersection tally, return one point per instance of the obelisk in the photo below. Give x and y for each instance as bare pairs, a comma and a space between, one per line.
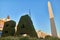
53, 28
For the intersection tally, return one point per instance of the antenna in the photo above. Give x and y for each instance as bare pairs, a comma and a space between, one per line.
29, 13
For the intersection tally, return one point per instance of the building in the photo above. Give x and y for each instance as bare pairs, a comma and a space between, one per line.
41, 34
2, 22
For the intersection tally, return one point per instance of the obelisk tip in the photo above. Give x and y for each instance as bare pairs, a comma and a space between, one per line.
50, 10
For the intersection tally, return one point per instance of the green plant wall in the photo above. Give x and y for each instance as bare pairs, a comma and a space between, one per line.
9, 28
25, 26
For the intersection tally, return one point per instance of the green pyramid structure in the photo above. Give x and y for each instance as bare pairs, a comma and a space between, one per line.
25, 26
9, 28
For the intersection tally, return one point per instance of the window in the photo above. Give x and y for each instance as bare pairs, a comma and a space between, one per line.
22, 33
22, 26
6, 31
7, 25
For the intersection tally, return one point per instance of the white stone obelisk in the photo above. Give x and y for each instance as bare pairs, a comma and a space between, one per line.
53, 28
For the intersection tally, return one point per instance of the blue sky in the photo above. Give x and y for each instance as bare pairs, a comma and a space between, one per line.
39, 12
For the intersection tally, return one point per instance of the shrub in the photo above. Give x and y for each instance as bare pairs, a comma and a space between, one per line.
17, 38
24, 38
51, 38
